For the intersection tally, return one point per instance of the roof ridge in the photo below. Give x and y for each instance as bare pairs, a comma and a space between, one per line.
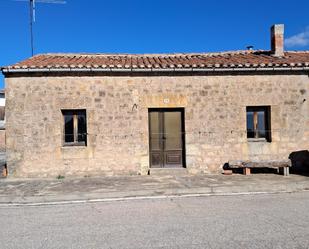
150, 54
297, 51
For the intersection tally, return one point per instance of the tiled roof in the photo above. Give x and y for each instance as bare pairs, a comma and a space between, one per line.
240, 60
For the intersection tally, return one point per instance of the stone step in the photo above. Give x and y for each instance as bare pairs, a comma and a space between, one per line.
168, 171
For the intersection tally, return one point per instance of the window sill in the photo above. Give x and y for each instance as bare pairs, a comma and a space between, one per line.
69, 145
257, 140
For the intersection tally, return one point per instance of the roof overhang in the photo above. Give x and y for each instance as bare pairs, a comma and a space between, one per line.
148, 70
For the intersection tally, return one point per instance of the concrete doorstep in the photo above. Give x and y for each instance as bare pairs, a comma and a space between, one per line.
32, 192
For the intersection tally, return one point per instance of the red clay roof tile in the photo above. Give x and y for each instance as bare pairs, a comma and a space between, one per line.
238, 59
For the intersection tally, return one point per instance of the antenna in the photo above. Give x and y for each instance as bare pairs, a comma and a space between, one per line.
32, 15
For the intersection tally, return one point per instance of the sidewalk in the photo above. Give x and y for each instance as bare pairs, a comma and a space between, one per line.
40, 191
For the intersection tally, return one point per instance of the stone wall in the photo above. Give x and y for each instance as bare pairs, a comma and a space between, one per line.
117, 120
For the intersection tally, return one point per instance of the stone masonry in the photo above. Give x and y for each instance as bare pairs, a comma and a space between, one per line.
117, 120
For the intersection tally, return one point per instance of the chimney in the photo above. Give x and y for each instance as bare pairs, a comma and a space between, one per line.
277, 38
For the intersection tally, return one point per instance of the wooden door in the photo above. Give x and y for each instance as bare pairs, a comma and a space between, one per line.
166, 134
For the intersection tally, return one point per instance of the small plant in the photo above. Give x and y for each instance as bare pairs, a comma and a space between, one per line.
60, 177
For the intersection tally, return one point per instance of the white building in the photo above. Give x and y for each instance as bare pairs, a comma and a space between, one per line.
2, 109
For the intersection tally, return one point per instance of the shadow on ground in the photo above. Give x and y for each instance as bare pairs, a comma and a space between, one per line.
300, 162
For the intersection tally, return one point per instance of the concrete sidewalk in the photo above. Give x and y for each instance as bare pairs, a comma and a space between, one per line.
27, 191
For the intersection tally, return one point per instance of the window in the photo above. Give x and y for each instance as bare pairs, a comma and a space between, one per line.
2, 113
75, 127
258, 123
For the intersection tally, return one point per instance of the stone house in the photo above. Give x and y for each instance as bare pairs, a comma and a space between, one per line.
109, 114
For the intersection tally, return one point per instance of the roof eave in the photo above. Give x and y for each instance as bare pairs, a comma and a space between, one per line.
64, 70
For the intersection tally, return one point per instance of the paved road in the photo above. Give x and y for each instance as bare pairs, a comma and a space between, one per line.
255, 221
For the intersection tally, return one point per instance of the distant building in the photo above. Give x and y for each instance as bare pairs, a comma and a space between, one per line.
2, 120
103, 114
2, 109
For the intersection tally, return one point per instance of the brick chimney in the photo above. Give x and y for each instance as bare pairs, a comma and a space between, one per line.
277, 38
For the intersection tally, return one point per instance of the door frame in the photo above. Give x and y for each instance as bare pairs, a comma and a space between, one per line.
183, 135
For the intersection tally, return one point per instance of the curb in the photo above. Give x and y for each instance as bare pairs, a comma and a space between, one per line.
120, 199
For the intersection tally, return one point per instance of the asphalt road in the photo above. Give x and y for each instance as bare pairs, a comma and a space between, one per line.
255, 221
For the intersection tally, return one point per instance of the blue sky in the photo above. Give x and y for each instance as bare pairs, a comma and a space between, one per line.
149, 26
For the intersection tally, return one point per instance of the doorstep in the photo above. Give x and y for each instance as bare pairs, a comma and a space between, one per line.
168, 172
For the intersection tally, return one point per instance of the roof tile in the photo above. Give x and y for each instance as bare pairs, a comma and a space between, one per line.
237, 59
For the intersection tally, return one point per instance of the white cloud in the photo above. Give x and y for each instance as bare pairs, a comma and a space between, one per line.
298, 40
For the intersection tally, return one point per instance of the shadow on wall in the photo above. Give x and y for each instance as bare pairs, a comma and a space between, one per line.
300, 162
